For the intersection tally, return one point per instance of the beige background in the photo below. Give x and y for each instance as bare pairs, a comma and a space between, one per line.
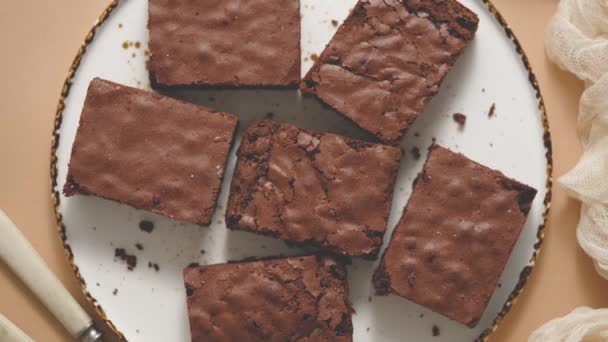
39, 40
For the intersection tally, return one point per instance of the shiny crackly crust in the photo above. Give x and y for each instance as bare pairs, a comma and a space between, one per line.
454, 237
292, 299
316, 188
224, 43
388, 59
150, 151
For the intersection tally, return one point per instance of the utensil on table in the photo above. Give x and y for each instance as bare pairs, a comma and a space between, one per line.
9, 332
29, 266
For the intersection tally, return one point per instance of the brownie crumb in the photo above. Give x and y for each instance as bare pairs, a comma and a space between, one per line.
202, 251
94, 228
122, 254
139, 246
269, 115
492, 110
421, 315
146, 226
334, 23
416, 134
119, 25
137, 45
193, 264
499, 285
115, 291
460, 119
314, 57
415, 151
367, 329
211, 99
154, 266
125, 44
369, 299
436, 331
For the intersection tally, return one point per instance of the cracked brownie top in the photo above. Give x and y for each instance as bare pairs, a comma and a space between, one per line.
291, 299
388, 59
309, 187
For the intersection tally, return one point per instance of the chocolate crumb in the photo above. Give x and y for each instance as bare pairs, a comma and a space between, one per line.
137, 45
119, 25
314, 57
492, 110
153, 265
334, 22
115, 291
133, 55
146, 226
122, 254
202, 251
193, 264
125, 44
460, 119
483, 90
415, 151
211, 99
269, 115
421, 315
97, 284
367, 329
369, 299
139, 246
416, 134
94, 228
499, 285
436, 331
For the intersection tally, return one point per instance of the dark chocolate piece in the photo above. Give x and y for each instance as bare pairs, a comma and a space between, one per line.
316, 188
150, 151
292, 299
388, 59
460, 119
455, 236
224, 43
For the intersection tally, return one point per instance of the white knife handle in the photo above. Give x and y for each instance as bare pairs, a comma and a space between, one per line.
9, 332
27, 264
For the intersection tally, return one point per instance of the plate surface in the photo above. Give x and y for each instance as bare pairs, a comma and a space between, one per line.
149, 305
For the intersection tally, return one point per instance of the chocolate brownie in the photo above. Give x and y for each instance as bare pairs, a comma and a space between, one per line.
310, 187
290, 299
455, 236
224, 43
388, 59
150, 151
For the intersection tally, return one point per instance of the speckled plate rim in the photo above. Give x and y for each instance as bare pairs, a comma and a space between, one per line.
523, 276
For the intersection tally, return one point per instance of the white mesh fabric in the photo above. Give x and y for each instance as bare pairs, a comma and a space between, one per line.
581, 325
577, 41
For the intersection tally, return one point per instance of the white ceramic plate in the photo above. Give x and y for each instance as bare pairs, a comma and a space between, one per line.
149, 305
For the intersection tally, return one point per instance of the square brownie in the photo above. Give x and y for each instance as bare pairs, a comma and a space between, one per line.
455, 236
388, 59
316, 188
290, 299
224, 43
150, 151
